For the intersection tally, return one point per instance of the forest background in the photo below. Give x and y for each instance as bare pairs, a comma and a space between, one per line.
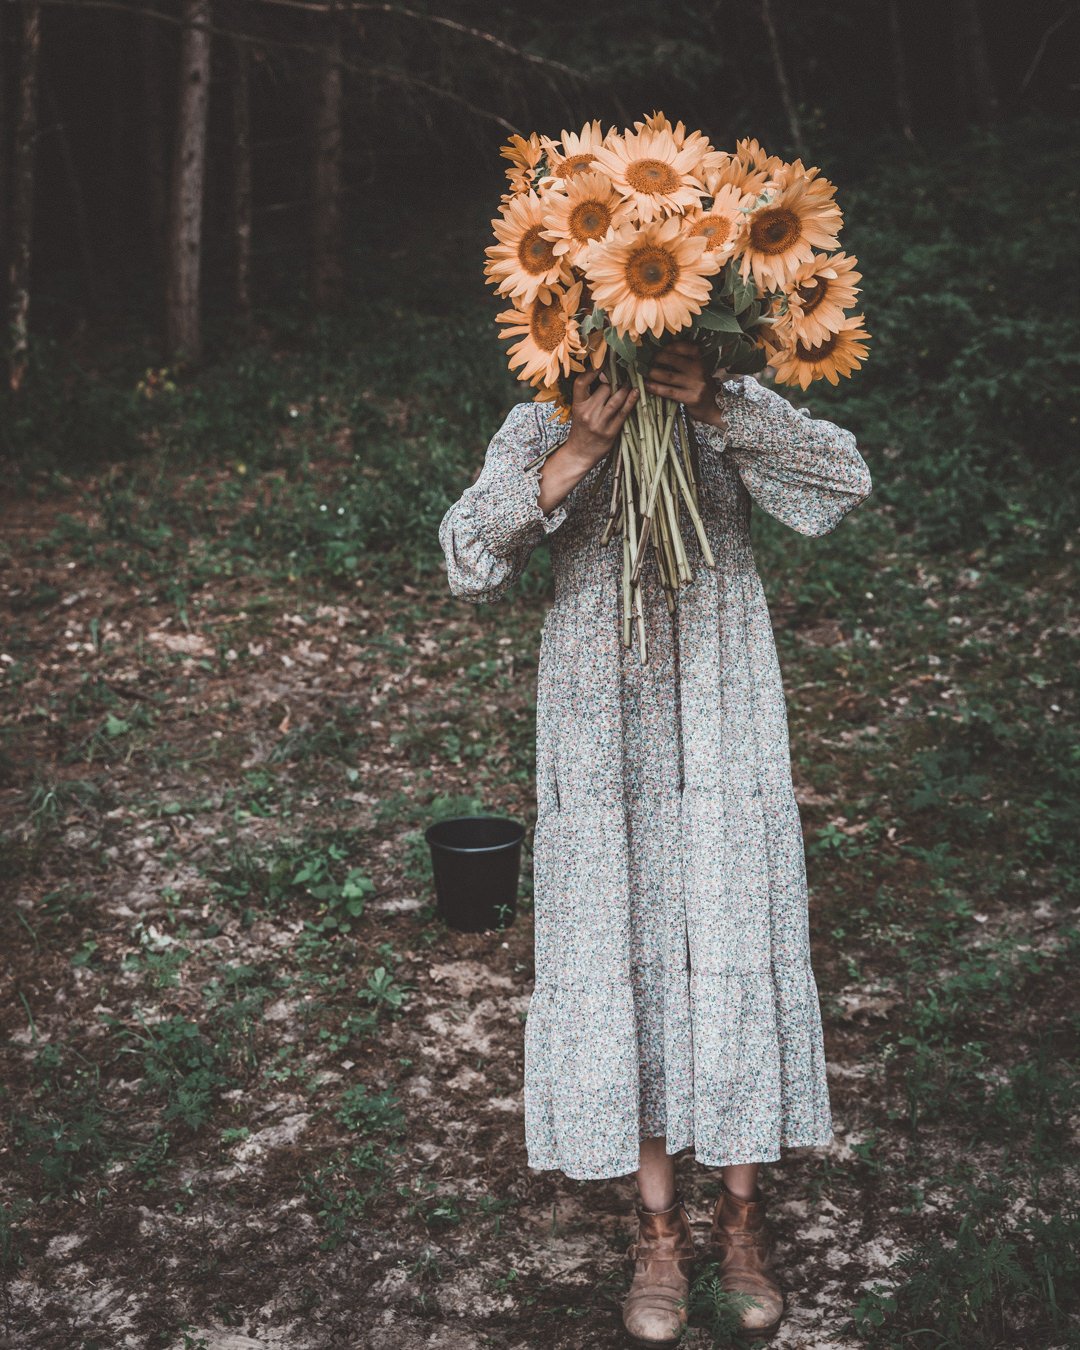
255, 1093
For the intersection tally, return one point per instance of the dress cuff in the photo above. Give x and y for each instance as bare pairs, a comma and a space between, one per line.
555, 517
513, 517
733, 400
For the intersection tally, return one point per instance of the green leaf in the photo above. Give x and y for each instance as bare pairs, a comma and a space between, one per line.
746, 358
719, 320
357, 886
743, 293
621, 346
755, 316
597, 319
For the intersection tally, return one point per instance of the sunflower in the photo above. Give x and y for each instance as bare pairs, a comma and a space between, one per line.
776, 335
550, 344
684, 140
572, 155
840, 354
523, 264
755, 157
658, 121
586, 208
749, 169
723, 223
723, 170
786, 173
651, 278
783, 233
524, 155
821, 290
650, 171
551, 393
596, 348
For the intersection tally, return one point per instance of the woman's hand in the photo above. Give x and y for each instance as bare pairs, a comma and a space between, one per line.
678, 371
597, 417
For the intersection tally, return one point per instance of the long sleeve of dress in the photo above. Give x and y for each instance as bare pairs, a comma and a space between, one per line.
490, 532
805, 471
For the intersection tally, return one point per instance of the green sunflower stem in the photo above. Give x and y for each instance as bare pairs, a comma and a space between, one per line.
639, 616
655, 471
662, 447
688, 497
629, 538
676, 534
627, 636
686, 434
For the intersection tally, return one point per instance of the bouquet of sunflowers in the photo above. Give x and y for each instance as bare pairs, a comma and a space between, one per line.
608, 246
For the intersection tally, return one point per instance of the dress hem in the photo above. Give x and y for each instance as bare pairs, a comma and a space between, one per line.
721, 1160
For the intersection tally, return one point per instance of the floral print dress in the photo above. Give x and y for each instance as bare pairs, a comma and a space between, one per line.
674, 993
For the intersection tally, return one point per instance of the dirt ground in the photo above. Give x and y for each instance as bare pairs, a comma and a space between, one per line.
221, 1189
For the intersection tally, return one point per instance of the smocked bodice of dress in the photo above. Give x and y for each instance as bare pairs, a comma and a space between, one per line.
580, 561
805, 471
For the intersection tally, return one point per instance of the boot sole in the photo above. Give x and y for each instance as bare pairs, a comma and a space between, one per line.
762, 1333
639, 1340
646, 1340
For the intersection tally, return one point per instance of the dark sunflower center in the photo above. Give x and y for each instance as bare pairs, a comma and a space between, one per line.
813, 295
714, 228
589, 220
774, 230
805, 353
547, 325
652, 176
574, 164
651, 271
536, 255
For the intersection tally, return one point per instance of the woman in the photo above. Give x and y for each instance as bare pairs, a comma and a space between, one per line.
675, 1007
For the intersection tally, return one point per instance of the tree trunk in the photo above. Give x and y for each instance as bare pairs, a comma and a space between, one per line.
899, 65
5, 129
22, 203
113, 165
78, 201
782, 80
241, 186
154, 141
326, 269
978, 99
183, 330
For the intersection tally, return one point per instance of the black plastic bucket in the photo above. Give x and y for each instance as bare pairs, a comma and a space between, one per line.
477, 864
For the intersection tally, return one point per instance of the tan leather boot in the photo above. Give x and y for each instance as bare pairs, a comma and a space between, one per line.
654, 1310
741, 1242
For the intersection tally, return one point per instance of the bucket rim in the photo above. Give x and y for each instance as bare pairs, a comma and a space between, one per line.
482, 848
